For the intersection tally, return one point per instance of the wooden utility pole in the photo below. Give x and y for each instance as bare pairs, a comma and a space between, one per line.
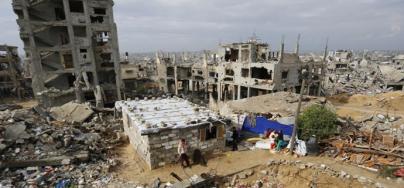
299, 105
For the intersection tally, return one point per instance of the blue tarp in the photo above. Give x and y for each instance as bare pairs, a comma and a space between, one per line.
262, 124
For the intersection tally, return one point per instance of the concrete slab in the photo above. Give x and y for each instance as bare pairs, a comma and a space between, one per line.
72, 112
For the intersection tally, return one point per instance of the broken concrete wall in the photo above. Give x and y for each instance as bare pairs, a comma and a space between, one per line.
10, 72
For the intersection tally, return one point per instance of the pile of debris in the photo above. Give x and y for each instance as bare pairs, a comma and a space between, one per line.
373, 149
35, 151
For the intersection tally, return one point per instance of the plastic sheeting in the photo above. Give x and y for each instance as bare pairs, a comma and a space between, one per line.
261, 124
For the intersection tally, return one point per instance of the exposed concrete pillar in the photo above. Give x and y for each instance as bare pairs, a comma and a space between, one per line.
176, 79
192, 87
96, 87
248, 92
239, 53
115, 54
234, 92
239, 92
36, 66
206, 94
319, 89
225, 92
75, 53
219, 92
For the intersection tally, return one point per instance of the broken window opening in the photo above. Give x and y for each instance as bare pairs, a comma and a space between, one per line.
245, 73
97, 19
229, 72
60, 14
261, 73
79, 31
212, 74
200, 72
231, 55
170, 71
83, 50
70, 80
76, 6
102, 38
101, 11
285, 74
68, 61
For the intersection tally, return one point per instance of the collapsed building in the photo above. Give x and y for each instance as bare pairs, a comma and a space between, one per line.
238, 70
138, 78
370, 74
72, 48
155, 126
10, 72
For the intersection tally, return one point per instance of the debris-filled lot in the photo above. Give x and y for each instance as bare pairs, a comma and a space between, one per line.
36, 151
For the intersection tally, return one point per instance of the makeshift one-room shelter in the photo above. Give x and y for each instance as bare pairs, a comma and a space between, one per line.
154, 128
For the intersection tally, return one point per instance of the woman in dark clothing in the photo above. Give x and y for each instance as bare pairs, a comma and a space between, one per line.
280, 142
234, 136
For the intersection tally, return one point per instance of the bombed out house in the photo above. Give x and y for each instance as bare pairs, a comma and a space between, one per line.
72, 48
155, 126
238, 70
10, 72
138, 78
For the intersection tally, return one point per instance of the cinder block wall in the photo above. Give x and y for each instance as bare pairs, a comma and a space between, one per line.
161, 148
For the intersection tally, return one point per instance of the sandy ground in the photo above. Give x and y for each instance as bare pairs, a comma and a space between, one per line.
362, 106
132, 169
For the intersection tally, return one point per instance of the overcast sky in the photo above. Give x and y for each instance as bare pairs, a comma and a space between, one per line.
190, 25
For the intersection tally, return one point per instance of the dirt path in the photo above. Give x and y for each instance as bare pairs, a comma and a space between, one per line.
222, 164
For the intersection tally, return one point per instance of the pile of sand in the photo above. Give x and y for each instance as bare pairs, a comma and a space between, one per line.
283, 103
360, 106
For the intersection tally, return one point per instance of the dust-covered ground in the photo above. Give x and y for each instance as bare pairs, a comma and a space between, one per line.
228, 163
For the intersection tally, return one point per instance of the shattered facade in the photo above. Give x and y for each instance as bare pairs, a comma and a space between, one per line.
238, 70
72, 47
10, 72
368, 73
138, 78
155, 127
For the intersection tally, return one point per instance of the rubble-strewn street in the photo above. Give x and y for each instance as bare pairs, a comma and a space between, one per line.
38, 152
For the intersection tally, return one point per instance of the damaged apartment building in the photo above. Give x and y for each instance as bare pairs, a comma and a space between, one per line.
138, 77
72, 49
238, 70
10, 72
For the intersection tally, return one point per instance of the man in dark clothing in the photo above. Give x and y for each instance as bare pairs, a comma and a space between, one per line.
234, 136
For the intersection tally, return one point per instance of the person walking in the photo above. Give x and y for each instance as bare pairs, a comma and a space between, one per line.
182, 151
234, 136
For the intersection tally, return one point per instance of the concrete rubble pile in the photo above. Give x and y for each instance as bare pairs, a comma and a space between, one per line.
378, 148
37, 152
358, 81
